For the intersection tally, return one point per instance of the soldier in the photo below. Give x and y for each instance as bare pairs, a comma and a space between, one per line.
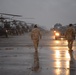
35, 36
70, 36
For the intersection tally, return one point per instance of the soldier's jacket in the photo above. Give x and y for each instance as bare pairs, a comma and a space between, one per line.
70, 33
35, 34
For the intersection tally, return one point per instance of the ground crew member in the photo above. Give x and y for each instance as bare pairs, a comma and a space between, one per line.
35, 36
70, 36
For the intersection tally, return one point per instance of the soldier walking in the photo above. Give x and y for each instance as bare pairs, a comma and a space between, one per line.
70, 36
35, 36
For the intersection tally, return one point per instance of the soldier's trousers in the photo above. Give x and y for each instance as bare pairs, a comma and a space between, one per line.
70, 44
36, 42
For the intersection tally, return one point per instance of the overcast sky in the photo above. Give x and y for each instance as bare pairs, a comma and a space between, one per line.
45, 12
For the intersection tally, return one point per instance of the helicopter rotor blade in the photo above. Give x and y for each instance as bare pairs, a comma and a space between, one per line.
10, 14
5, 18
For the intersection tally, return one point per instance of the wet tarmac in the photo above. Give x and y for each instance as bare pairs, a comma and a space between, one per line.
17, 57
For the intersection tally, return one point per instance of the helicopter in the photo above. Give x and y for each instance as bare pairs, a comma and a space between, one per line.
3, 30
11, 21
5, 23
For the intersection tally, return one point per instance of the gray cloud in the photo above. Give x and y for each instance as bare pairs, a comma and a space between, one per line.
45, 12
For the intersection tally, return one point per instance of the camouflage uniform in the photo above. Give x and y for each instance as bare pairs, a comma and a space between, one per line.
70, 36
35, 36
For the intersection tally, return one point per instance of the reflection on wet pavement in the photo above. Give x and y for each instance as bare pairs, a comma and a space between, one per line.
52, 58
62, 63
56, 60
63, 59
36, 61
